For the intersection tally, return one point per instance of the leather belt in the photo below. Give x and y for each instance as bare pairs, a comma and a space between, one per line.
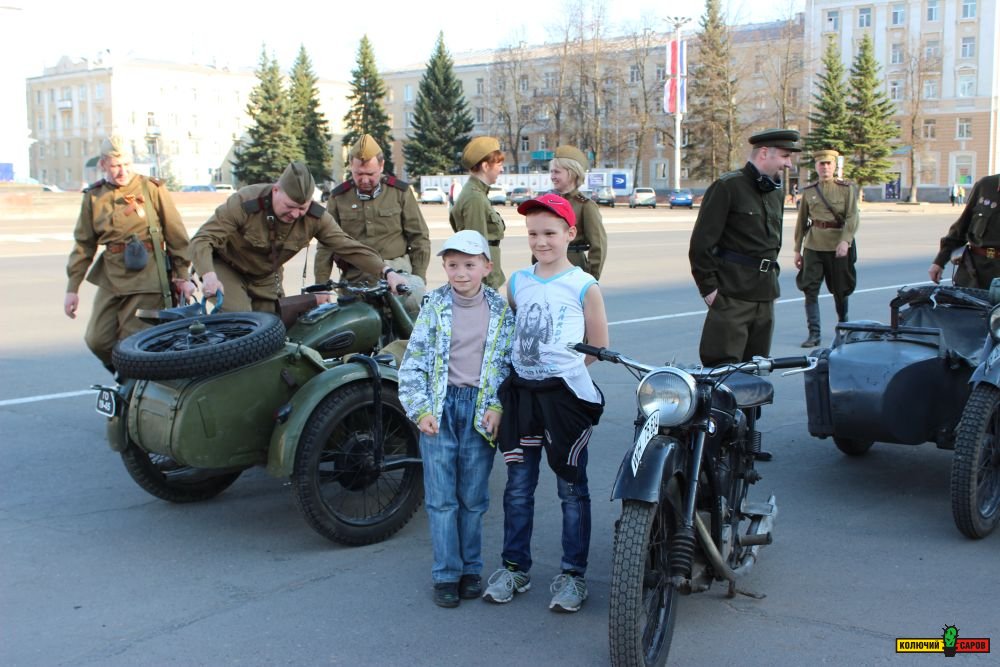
984, 251
825, 224
117, 248
495, 244
762, 263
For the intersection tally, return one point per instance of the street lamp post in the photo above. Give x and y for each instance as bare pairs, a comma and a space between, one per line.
678, 22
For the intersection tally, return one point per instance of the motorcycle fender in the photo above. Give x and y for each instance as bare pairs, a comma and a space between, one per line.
660, 461
989, 370
285, 437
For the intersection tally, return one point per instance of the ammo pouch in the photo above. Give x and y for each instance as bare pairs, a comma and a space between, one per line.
135, 255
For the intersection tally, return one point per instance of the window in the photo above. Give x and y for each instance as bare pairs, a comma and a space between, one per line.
83, 119
633, 140
41, 150
833, 20
930, 129
661, 138
38, 97
81, 93
408, 93
964, 130
543, 143
967, 85
895, 90
968, 47
896, 54
52, 94
758, 64
865, 17
45, 175
480, 115
41, 122
661, 72
550, 80
968, 9
522, 83
794, 95
931, 89
98, 91
898, 14
759, 101
661, 171
525, 144
933, 13
963, 169
480, 86
409, 119
633, 106
634, 75
67, 149
932, 49
69, 174
685, 137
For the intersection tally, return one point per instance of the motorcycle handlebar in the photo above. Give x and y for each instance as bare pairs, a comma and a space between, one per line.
789, 362
320, 287
330, 285
602, 353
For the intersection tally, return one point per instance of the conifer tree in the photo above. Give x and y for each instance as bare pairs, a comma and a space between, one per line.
830, 123
271, 144
872, 129
309, 125
441, 120
367, 114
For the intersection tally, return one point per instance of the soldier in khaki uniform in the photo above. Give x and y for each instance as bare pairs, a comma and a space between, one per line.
484, 160
116, 210
978, 230
588, 249
380, 211
242, 247
824, 242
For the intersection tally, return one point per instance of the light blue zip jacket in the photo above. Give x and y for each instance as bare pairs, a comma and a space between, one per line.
423, 375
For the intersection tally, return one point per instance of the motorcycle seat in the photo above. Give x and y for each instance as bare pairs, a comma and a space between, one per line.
750, 390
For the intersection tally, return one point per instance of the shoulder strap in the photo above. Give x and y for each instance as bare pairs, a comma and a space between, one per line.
156, 236
342, 188
316, 210
394, 182
95, 185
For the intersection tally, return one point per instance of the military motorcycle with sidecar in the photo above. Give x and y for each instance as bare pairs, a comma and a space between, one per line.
211, 395
931, 375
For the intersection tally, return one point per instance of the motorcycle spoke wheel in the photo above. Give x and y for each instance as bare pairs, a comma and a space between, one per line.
165, 478
643, 603
349, 489
975, 469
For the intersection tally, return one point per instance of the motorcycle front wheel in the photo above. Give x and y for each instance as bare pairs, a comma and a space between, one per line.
975, 469
643, 602
350, 488
165, 478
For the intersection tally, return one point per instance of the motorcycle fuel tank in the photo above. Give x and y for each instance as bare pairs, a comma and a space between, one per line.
336, 329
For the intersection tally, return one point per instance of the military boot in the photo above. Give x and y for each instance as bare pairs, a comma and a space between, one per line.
812, 321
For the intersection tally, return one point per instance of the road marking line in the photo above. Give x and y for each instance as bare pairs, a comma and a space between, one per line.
46, 397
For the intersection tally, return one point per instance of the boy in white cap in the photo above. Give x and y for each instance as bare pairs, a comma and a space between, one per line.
457, 357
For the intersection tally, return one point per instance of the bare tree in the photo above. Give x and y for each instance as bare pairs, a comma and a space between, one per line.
645, 53
920, 64
511, 75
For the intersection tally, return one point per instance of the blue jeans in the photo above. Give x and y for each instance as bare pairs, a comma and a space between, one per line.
519, 513
457, 464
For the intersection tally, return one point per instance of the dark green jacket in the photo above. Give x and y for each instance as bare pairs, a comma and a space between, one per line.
737, 216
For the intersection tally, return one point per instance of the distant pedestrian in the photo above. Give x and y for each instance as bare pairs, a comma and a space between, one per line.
953, 195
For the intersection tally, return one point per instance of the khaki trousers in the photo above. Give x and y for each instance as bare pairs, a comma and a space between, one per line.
113, 318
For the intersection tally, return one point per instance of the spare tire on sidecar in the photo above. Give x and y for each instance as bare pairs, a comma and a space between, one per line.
920, 379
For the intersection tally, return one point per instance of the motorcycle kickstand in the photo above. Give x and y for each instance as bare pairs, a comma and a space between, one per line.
731, 593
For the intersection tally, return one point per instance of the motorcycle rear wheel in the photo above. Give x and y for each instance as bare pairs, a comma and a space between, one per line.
643, 603
975, 468
343, 493
163, 477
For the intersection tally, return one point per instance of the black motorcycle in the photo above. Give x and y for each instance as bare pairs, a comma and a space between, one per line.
686, 520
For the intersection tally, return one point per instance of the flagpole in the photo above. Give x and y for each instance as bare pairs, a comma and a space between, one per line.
678, 22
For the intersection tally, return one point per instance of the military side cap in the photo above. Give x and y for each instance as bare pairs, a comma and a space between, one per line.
573, 153
365, 148
825, 156
114, 145
477, 149
297, 183
775, 138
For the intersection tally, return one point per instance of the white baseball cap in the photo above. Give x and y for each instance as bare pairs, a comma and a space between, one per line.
468, 241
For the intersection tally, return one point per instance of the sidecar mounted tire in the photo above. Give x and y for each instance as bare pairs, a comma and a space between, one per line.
198, 346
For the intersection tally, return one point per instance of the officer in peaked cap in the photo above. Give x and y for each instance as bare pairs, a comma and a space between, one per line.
589, 249
734, 251
824, 241
379, 210
124, 214
484, 160
973, 241
242, 248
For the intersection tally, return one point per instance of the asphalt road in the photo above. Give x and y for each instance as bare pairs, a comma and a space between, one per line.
97, 573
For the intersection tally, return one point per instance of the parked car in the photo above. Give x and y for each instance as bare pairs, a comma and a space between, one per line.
642, 197
589, 194
681, 197
224, 187
520, 194
604, 196
497, 195
198, 188
433, 195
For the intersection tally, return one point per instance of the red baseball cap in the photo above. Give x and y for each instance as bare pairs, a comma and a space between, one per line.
550, 202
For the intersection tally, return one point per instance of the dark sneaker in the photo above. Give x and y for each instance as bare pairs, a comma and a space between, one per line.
568, 593
470, 586
446, 594
504, 583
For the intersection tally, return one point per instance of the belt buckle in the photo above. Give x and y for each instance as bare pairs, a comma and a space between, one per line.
765, 265
991, 253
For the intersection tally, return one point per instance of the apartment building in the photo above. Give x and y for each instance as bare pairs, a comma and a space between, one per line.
941, 65
183, 121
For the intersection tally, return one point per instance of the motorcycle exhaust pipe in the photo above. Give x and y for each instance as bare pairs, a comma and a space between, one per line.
762, 533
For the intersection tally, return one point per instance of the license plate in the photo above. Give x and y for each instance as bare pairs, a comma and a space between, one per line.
649, 429
107, 402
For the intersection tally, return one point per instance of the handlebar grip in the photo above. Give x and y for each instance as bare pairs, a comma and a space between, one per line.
789, 362
321, 287
602, 353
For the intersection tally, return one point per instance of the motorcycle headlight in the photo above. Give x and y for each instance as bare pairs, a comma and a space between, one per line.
669, 390
995, 322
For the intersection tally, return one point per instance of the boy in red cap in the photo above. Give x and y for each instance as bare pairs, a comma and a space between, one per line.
550, 402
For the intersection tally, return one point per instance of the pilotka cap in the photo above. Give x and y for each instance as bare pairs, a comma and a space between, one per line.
477, 149
114, 146
775, 138
365, 148
573, 153
297, 183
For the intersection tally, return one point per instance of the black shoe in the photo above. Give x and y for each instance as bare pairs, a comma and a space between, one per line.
763, 456
446, 594
812, 341
470, 587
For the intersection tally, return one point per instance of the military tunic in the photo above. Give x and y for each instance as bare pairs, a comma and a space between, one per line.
817, 234
734, 249
109, 216
473, 210
978, 227
391, 224
589, 230
236, 244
